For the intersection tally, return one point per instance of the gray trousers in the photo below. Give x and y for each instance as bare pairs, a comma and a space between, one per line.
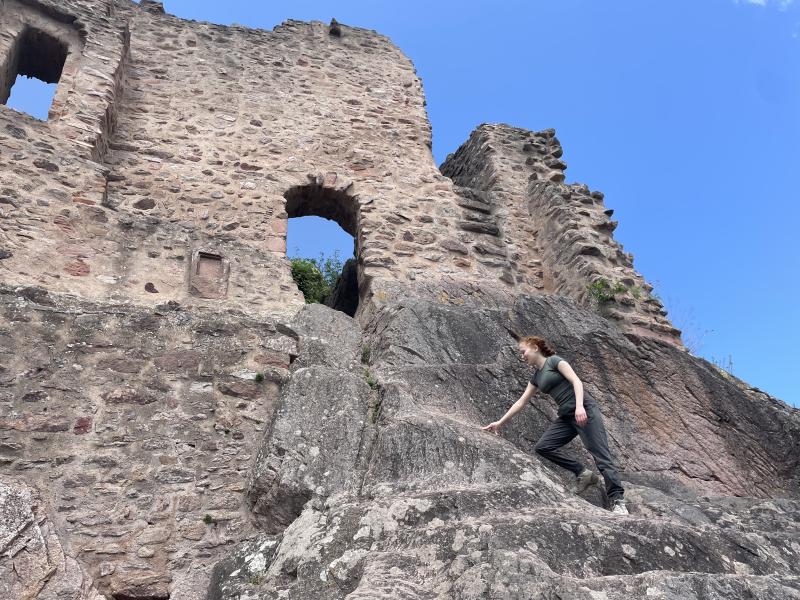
593, 436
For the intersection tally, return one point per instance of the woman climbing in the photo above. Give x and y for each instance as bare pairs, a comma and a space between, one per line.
578, 414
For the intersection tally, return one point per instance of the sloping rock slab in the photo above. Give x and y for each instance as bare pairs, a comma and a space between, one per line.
33, 563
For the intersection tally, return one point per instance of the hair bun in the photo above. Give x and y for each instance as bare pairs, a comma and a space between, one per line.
534, 340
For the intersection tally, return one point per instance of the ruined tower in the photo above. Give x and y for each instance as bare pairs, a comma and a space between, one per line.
174, 423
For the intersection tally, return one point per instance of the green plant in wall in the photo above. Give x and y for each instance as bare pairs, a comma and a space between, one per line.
376, 410
601, 291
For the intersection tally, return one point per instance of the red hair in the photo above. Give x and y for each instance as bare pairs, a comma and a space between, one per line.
541, 343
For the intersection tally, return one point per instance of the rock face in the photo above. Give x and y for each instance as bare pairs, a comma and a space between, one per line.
344, 296
175, 423
33, 563
417, 502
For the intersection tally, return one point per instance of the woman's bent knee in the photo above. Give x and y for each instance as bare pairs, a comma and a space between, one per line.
543, 450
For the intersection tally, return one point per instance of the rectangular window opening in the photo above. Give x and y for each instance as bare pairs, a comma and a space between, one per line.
37, 61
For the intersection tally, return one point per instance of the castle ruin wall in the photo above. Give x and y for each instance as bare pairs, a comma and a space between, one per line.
559, 236
143, 260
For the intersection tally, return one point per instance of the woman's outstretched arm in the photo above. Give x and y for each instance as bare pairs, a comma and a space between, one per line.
515, 408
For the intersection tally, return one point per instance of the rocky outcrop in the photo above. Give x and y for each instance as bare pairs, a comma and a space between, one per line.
344, 296
423, 504
175, 423
33, 561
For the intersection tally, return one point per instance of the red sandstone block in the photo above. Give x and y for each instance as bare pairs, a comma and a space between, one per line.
78, 268
82, 425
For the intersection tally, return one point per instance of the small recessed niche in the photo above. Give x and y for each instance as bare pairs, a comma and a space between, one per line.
209, 275
32, 72
209, 265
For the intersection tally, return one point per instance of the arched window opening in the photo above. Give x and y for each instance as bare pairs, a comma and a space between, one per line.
321, 245
32, 74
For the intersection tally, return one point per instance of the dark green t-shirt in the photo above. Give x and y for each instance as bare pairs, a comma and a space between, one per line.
550, 381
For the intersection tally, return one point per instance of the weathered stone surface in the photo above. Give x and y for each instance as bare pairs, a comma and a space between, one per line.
344, 296
194, 431
33, 561
133, 452
561, 235
490, 518
323, 426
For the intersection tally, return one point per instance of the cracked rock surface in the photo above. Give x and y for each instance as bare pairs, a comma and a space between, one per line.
33, 562
404, 496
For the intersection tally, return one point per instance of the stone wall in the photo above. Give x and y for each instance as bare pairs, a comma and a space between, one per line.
95, 36
138, 426
558, 237
149, 416
199, 148
198, 155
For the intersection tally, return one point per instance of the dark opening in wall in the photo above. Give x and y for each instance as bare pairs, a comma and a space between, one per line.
323, 254
37, 55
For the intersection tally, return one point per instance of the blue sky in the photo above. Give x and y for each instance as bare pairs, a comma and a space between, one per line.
685, 114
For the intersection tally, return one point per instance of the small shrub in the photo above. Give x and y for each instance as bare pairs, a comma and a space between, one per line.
259, 377
331, 267
208, 519
365, 355
724, 364
309, 279
316, 277
602, 292
376, 411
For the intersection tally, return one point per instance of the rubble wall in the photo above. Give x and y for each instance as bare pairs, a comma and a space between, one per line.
138, 426
558, 237
202, 133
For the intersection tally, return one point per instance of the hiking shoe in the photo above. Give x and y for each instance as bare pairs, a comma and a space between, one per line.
619, 508
586, 479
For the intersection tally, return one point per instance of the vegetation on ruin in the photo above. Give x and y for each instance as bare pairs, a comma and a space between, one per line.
316, 277
603, 292
370, 379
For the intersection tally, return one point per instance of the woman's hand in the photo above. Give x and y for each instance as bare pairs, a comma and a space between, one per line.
495, 427
580, 416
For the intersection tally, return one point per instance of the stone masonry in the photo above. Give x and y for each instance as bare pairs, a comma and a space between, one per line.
193, 158
175, 424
